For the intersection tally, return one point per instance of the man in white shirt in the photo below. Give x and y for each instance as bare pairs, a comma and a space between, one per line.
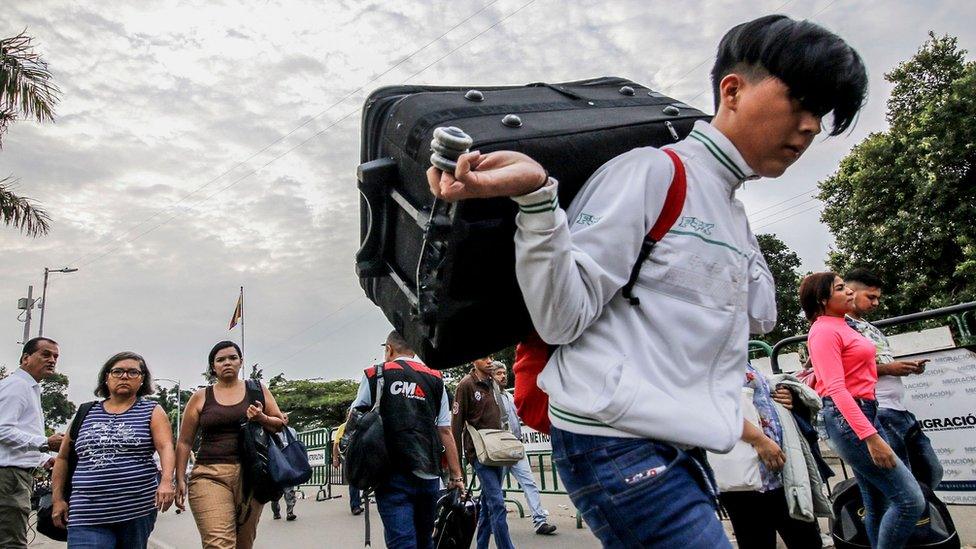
23, 445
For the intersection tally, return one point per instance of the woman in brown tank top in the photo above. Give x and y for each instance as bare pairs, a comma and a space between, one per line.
226, 517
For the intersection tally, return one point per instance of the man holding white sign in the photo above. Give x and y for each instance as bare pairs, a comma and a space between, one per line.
900, 428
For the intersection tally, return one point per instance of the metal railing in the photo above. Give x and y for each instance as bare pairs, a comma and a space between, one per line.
957, 313
324, 477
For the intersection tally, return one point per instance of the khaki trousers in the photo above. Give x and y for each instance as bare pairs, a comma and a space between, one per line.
15, 493
224, 518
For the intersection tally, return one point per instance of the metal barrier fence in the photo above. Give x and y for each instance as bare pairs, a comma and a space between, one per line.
955, 313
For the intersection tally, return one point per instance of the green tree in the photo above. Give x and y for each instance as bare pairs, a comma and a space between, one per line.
58, 410
903, 200
26, 91
313, 403
783, 264
167, 399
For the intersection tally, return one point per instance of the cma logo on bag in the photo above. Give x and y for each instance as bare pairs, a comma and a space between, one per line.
407, 389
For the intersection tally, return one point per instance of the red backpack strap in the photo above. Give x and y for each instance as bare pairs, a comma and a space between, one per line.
673, 204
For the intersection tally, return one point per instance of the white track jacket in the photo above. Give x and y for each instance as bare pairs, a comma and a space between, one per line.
670, 368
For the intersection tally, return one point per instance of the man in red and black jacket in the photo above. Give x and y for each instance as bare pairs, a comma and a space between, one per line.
417, 425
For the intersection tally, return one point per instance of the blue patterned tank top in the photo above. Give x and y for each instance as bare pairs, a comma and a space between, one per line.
115, 480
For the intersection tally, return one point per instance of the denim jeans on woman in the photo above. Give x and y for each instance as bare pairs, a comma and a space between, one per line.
639, 493
893, 501
129, 534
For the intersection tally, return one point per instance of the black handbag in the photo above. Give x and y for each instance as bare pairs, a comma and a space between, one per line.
45, 505
254, 444
457, 519
367, 458
934, 529
289, 461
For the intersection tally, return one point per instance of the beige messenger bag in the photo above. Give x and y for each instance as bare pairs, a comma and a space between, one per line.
496, 447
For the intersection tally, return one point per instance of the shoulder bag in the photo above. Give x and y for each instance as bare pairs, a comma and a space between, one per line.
254, 441
496, 447
738, 470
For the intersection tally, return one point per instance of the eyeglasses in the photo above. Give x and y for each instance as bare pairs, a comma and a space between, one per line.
119, 373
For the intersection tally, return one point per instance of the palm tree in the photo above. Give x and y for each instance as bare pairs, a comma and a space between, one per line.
26, 91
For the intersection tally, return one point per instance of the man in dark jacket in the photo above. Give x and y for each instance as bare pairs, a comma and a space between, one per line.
476, 403
417, 425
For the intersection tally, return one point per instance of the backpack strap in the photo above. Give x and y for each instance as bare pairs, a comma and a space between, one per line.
673, 205
255, 393
79, 419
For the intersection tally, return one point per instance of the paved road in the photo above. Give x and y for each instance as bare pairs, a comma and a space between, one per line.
328, 524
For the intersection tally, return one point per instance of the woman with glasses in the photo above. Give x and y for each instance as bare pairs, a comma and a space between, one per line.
226, 516
115, 492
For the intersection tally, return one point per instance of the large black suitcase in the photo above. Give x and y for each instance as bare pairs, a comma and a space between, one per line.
444, 274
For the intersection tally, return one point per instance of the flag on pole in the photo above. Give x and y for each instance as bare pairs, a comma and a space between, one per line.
238, 312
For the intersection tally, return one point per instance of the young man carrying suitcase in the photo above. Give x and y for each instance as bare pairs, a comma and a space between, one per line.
636, 391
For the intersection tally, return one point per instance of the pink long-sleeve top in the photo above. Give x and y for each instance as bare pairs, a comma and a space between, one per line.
844, 364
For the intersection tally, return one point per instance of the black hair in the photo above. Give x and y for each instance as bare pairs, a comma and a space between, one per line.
398, 342
216, 349
147, 387
815, 289
821, 70
865, 278
32, 344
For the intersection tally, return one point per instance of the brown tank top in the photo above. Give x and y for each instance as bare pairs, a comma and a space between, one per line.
220, 428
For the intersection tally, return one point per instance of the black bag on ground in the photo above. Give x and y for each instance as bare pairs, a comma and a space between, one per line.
457, 518
367, 459
444, 275
45, 505
254, 441
934, 529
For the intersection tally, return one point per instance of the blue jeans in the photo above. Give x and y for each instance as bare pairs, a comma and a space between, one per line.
522, 472
130, 534
904, 434
355, 498
492, 517
639, 493
893, 502
406, 504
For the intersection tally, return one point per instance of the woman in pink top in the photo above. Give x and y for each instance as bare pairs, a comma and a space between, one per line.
846, 373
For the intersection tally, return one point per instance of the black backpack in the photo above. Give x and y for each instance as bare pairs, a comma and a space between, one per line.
367, 458
45, 503
254, 441
934, 529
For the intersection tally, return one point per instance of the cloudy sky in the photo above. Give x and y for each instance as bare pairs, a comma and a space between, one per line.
201, 146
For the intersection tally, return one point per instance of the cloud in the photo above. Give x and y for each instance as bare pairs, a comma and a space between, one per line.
201, 148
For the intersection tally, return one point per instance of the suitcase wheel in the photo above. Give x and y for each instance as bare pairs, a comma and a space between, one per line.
448, 144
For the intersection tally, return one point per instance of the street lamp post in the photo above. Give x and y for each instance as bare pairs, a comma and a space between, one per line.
40, 328
177, 382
